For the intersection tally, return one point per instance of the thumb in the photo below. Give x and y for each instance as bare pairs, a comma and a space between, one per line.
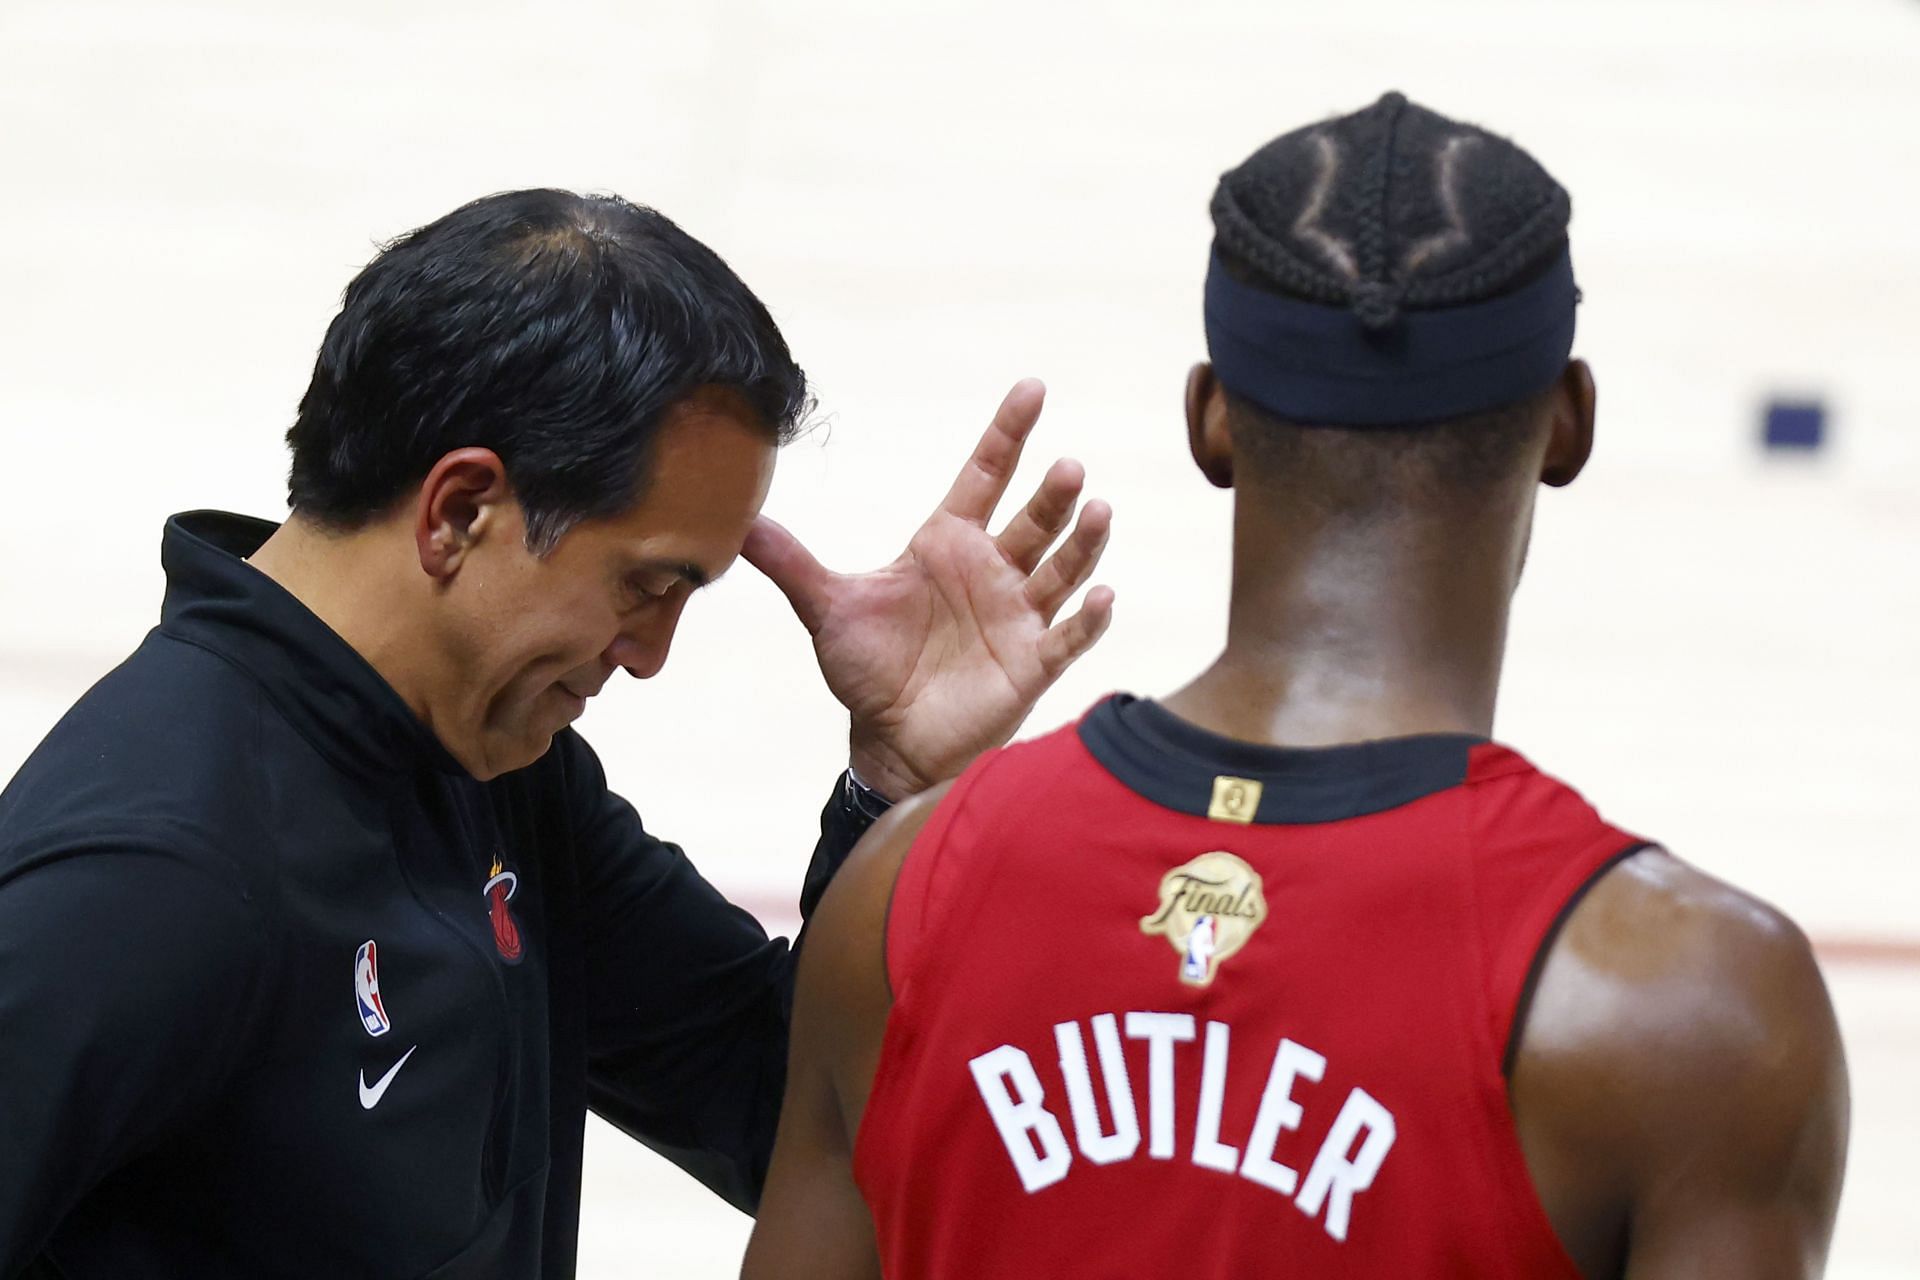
774, 551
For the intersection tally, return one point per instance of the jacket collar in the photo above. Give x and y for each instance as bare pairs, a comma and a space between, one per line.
332, 696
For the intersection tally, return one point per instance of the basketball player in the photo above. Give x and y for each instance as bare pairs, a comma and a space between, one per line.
1331, 984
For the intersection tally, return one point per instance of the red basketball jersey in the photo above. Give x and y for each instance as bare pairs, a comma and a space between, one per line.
1172, 1005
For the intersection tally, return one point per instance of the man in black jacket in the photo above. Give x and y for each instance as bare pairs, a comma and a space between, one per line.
343, 760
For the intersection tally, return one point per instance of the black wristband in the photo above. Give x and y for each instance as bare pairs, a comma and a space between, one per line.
849, 811
861, 798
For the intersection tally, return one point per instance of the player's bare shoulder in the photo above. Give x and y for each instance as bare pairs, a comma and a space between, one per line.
844, 990
1660, 960
1679, 1063
850, 926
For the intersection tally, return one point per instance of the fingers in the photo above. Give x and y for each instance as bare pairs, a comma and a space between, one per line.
801, 578
983, 480
1029, 534
1068, 569
1063, 644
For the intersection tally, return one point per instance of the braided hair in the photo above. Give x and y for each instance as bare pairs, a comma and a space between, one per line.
1394, 208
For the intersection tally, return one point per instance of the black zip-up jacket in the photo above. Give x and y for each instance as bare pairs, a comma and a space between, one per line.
285, 992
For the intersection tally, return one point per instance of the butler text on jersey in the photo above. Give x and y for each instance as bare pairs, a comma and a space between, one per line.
1343, 1166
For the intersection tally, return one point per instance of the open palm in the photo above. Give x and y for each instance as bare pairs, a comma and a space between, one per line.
941, 654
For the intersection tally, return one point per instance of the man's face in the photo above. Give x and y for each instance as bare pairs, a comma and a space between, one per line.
533, 637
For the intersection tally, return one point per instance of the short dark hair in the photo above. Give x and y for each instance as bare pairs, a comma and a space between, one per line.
1393, 208
553, 328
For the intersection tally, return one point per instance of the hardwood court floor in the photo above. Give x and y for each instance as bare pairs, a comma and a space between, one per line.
937, 198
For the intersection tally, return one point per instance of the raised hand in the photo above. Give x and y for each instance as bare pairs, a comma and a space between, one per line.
940, 655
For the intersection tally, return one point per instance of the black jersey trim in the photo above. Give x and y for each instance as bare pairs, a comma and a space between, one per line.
1174, 764
1524, 1004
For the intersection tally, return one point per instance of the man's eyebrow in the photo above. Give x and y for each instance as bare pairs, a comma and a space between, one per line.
686, 570
692, 574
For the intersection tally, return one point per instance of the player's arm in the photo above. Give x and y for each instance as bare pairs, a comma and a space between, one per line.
1680, 1087
813, 1223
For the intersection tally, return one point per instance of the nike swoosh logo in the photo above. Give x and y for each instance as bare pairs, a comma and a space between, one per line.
370, 1096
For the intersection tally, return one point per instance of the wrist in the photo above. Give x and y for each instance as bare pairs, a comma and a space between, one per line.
884, 774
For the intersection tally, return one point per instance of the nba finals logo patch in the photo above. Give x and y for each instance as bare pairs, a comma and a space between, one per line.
500, 887
366, 990
1208, 910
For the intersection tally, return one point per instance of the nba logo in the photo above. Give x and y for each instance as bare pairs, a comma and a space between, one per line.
366, 990
1200, 948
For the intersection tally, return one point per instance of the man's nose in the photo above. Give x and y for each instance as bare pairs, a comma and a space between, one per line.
642, 645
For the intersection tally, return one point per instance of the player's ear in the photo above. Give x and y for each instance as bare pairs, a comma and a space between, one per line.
1570, 438
1209, 438
460, 502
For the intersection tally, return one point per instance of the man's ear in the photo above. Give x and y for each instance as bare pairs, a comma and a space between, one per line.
461, 501
1570, 442
1209, 438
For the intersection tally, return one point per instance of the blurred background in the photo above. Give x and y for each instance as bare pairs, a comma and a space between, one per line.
1715, 639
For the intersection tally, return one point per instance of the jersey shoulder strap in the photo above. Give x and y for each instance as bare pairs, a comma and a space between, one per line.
960, 841
1536, 847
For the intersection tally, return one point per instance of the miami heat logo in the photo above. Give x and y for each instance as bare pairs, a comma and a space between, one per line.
500, 887
1208, 909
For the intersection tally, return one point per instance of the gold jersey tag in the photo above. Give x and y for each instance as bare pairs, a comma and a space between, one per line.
1208, 910
1234, 799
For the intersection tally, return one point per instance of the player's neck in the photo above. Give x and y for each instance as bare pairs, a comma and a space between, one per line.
1343, 635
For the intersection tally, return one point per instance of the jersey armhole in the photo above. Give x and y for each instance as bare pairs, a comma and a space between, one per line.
913, 917
914, 902
1517, 972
